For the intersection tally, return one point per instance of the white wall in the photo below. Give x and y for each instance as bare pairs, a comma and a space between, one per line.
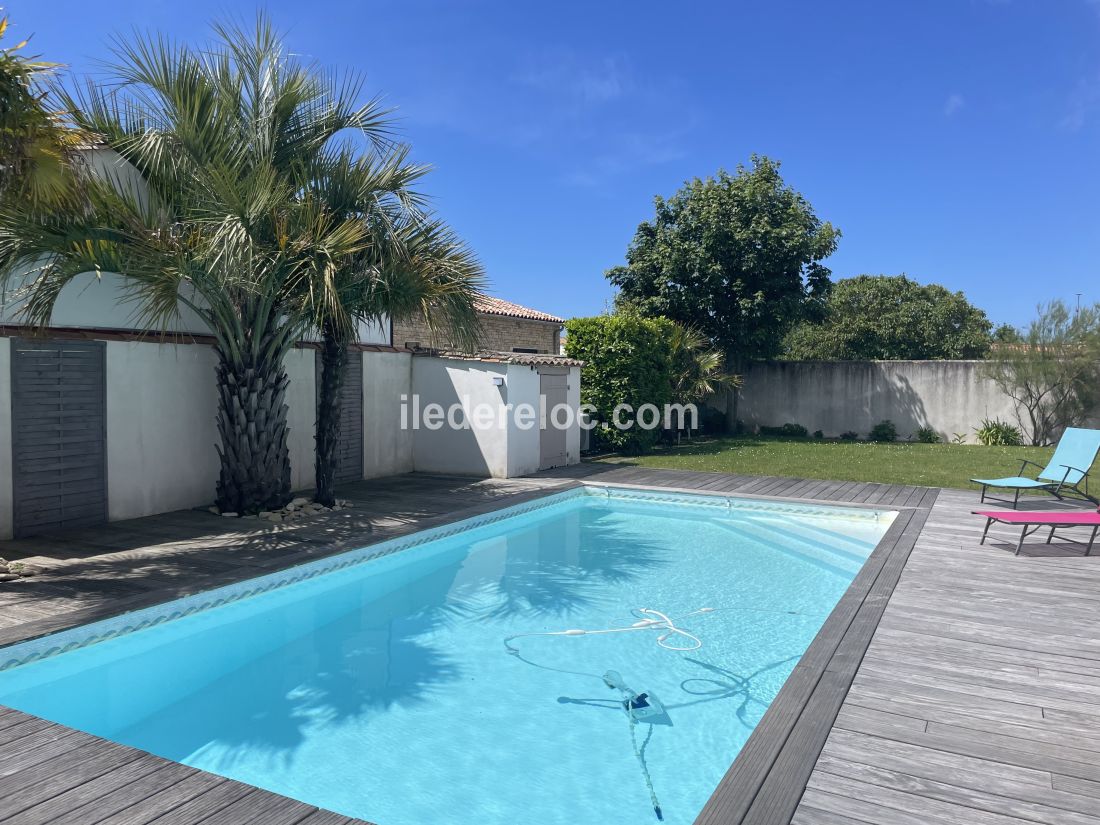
838, 396
387, 447
301, 398
105, 300
95, 302
524, 386
7, 502
478, 451
501, 448
573, 398
161, 428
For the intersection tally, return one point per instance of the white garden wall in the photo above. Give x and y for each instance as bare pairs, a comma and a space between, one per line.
161, 426
161, 422
479, 450
523, 444
839, 396
301, 398
500, 447
387, 447
161, 429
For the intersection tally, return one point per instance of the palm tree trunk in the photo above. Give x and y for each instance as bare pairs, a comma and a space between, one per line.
252, 423
334, 358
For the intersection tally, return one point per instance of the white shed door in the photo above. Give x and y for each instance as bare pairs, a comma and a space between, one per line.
554, 385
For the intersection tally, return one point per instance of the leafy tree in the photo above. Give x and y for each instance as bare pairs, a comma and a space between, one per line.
1006, 334
627, 360
892, 317
736, 256
226, 141
36, 146
1053, 374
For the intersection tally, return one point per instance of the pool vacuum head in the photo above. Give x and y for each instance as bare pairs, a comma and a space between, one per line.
643, 707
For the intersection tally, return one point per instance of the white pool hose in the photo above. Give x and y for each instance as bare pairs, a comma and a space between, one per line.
648, 619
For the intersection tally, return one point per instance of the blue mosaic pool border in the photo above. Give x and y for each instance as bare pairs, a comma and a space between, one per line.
722, 501
21, 653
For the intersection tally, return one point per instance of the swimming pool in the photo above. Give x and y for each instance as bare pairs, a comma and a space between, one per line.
411, 682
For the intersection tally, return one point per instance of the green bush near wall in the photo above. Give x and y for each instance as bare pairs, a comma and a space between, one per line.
627, 360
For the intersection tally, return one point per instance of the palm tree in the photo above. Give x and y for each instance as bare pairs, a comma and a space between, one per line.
698, 368
223, 143
36, 147
416, 267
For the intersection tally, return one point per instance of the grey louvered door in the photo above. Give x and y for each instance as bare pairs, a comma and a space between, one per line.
59, 418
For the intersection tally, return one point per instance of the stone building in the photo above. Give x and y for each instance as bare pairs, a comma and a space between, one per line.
505, 327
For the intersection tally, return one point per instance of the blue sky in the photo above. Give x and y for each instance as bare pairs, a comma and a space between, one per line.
955, 140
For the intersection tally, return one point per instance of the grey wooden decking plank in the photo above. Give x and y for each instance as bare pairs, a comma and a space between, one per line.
1074, 785
265, 808
53, 808
1007, 802
38, 783
201, 808
909, 766
932, 810
144, 804
807, 815
881, 750
45, 743
327, 818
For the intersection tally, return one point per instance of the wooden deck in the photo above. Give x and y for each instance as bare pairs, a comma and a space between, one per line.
974, 675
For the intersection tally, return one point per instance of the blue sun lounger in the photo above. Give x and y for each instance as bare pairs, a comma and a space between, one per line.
1068, 469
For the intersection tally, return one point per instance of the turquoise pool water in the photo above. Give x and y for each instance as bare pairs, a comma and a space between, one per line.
383, 689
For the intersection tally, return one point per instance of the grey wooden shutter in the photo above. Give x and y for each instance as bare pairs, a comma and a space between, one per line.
59, 434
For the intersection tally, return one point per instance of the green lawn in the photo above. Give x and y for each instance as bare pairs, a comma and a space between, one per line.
932, 465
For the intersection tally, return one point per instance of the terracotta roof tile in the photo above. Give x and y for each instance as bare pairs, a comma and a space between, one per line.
527, 358
498, 306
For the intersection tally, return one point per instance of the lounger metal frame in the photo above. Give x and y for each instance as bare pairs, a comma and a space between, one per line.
1055, 488
1028, 529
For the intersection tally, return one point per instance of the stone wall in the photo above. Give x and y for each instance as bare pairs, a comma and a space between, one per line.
498, 333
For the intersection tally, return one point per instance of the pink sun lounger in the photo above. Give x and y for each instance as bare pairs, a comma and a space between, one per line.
1033, 522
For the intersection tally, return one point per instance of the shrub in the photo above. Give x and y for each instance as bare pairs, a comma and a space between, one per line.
884, 431
997, 433
818, 434
786, 431
927, 435
627, 360
848, 435
713, 421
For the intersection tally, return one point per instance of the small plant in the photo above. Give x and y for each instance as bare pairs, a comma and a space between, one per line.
996, 433
884, 431
927, 435
849, 436
818, 434
786, 431
958, 438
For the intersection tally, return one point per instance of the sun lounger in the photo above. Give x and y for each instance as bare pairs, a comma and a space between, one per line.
1035, 521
